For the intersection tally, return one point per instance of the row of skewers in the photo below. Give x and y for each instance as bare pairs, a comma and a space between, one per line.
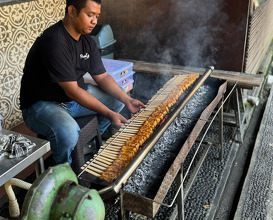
122, 147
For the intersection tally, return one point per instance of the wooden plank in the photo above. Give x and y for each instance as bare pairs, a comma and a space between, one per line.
243, 80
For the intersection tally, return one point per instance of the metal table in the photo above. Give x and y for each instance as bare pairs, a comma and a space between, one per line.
11, 167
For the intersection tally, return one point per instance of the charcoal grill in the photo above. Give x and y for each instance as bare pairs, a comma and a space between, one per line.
149, 206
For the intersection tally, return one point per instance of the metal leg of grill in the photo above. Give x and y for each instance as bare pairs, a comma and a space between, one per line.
124, 214
180, 197
237, 111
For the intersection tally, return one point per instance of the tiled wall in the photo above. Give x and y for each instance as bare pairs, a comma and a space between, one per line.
20, 24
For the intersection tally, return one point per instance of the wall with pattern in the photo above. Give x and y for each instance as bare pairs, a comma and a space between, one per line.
20, 24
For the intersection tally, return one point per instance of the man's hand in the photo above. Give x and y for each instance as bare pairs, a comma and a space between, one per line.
134, 105
118, 120
109, 85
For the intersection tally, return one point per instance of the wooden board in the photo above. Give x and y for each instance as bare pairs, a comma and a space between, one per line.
243, 80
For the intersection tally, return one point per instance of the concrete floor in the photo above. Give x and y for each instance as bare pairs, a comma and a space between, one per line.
232, 188
256, 200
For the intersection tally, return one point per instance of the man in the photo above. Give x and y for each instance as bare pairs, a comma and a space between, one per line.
53, 91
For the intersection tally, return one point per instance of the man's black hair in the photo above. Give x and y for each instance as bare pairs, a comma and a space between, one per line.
78, 4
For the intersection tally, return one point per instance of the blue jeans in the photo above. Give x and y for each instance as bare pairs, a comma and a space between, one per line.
56, 121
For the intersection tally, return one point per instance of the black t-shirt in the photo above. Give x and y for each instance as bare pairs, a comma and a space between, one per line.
56, 57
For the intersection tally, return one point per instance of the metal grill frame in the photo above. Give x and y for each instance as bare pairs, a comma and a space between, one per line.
115, 187
149, 207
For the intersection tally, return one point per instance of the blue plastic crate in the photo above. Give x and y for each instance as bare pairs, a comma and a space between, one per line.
121, 71
128, 84
118, 69
125, 79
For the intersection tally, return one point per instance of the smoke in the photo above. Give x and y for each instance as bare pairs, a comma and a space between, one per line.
201, 19
190, 38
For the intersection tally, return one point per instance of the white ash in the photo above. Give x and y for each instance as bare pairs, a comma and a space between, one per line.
150, 171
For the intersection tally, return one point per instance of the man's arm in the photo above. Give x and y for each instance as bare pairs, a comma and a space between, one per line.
73, 91
109, 85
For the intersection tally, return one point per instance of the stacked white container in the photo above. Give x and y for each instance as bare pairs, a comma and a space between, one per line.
121, 71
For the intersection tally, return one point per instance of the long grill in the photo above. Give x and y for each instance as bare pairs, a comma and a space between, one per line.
120, 149
94, 170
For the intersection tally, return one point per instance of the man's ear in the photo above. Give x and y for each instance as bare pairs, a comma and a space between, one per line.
72, 12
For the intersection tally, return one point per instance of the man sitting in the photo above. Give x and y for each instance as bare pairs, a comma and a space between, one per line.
53, 91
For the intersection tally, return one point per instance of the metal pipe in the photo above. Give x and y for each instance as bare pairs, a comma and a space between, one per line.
113, 189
